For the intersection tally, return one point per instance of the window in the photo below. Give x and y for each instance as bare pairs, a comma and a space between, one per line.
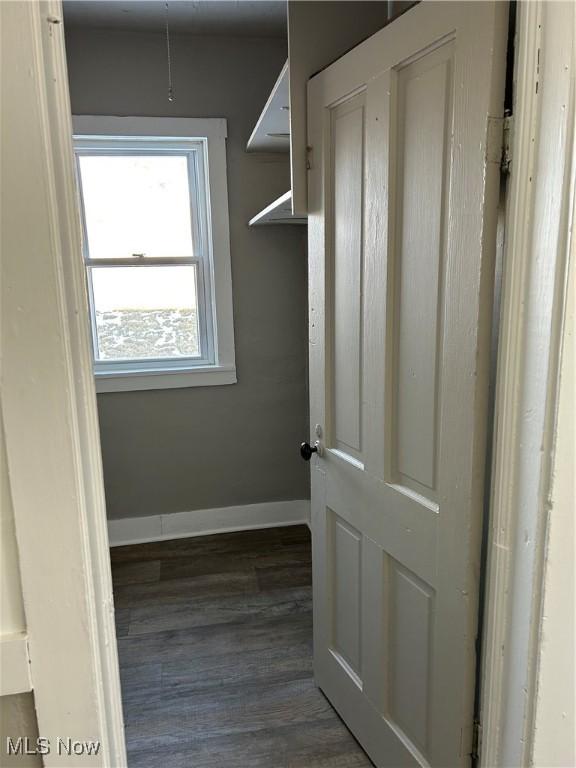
154, 209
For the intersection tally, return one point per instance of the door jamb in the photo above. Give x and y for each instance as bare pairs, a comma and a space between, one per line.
534, 286
49, 403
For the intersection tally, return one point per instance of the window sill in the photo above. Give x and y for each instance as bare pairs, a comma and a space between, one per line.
133, 381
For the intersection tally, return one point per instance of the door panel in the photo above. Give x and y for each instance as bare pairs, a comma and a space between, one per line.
402, 202
423, 93
409, 641
347, 164
346, 593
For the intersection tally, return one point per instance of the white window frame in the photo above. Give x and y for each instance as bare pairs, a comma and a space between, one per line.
204, 142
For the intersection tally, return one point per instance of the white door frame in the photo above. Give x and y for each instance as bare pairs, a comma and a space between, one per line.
49, 400
539, 211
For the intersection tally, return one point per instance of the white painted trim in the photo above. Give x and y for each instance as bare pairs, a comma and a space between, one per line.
203, 522
541, 195
213, 375
215, 131
15, 664
48, 398
176, 127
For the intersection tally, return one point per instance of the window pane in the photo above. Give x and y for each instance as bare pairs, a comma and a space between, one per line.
136, 204
146, 312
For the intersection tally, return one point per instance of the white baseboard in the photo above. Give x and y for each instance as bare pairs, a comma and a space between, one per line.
202, 522
15, 664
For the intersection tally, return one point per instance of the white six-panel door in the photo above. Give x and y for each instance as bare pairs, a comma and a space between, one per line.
403, 191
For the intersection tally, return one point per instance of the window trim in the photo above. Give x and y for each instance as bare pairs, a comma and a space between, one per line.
221, 367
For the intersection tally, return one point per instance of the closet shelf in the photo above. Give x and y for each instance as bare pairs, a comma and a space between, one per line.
272, 134
278, 212
272, 131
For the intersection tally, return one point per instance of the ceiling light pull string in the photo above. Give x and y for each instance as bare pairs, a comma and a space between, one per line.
170, 88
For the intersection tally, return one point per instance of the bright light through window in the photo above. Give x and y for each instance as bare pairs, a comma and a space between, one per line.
136, 205
145, 312
143, 253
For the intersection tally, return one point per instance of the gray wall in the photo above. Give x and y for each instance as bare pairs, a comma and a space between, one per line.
183, 449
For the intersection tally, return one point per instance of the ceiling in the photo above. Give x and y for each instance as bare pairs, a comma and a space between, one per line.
244, 18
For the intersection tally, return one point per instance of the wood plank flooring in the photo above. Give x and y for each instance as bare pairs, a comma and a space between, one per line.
215, 646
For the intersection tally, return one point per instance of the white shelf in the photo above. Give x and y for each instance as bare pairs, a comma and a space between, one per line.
282, 124
278, 212
272, 134
272, 131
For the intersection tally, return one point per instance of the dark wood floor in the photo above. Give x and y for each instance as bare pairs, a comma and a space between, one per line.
215, 645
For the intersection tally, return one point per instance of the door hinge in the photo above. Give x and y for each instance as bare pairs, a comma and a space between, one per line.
507, 143
499, 142
308, 158
476, 741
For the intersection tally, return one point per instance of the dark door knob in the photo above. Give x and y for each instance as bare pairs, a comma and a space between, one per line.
306, 451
